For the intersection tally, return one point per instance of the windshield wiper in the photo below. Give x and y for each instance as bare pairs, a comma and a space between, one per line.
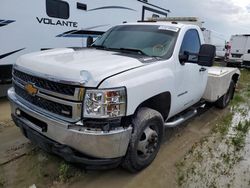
99, 46
138, 51
132, 50
120, 49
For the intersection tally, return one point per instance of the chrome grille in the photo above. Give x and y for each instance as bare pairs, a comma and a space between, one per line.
59, 109
54, 98
45, 84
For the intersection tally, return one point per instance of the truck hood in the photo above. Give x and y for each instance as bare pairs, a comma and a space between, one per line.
86, 66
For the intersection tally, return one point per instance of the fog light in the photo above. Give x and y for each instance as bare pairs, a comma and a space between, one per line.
18, 112
106, 127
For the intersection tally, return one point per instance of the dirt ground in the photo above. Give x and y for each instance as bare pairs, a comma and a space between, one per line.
23, 164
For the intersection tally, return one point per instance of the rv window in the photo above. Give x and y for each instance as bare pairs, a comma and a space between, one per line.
57, 9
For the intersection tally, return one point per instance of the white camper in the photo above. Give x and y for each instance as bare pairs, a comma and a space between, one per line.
29, 25
240, 51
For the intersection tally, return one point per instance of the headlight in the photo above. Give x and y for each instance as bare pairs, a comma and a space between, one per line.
105, 103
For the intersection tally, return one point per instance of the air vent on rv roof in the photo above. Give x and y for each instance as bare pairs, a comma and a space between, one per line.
81, 6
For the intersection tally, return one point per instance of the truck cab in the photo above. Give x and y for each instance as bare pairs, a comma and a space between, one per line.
107, 105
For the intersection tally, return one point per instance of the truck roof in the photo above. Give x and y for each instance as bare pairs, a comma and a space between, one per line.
162, 23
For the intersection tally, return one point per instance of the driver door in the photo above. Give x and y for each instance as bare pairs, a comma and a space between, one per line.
192, 77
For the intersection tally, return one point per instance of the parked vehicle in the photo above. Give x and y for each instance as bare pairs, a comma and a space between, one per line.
27, 26
211, 37
108, 104
220, 52
240, 51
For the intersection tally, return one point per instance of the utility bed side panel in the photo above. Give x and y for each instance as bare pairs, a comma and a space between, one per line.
219, 79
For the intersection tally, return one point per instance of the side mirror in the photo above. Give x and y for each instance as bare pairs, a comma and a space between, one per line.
206, 55
183, 58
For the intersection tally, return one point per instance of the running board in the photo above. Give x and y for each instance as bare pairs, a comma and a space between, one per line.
179, 120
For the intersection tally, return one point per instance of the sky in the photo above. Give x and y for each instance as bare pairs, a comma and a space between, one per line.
223, 17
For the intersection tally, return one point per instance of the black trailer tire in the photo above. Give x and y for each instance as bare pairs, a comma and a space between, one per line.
145, 140
225, 99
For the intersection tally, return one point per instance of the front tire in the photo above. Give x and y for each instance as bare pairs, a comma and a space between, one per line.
145, 141
225, 99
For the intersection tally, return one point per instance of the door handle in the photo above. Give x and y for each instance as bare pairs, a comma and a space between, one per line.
202, 69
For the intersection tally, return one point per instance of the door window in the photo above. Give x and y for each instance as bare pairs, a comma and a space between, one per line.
57, 9
191, 43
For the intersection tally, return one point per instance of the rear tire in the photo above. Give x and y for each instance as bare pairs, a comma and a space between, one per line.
145, 140
225, 99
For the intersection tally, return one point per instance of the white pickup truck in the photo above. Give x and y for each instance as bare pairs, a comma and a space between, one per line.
108, 105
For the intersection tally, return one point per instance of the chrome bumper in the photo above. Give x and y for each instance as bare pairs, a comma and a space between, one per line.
237, 61
98, 144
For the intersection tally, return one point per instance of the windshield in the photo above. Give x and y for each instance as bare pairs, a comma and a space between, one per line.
150, 40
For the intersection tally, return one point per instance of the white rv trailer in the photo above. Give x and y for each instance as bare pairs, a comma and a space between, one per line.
29, 25
240, 51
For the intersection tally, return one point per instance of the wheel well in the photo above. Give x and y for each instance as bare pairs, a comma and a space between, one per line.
160, 103
235, 78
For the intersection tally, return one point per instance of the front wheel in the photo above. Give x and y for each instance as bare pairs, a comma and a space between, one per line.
225, 99
145, 141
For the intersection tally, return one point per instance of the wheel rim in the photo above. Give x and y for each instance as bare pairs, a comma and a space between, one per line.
148, 142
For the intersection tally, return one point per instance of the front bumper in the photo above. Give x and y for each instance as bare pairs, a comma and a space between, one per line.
246, 64
94, 144
67, 153
234, 62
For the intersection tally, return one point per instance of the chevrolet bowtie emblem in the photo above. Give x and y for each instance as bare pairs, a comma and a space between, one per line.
31, 89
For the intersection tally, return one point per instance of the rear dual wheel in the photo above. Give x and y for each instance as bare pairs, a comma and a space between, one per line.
225, 99
145, 141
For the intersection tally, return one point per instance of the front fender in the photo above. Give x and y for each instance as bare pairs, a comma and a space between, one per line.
143, 83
